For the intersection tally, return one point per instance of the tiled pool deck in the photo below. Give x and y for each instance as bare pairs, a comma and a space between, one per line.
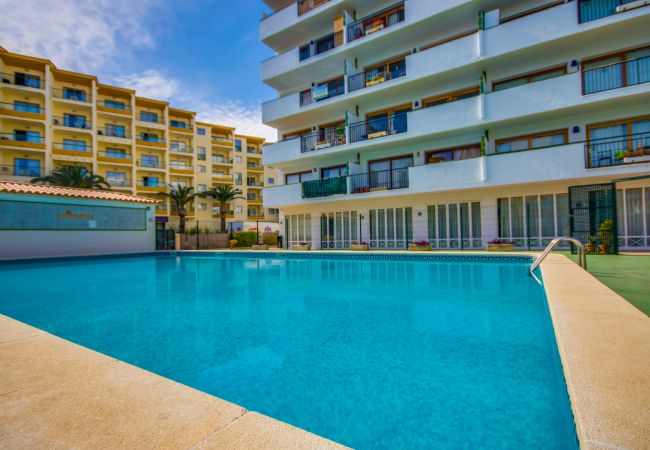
56, 394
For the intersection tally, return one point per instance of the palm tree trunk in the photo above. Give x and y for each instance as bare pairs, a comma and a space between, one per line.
181, 225
223, 210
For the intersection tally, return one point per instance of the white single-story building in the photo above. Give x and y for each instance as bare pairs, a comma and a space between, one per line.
40, 221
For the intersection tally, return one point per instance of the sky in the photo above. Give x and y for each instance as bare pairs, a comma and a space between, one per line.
199, 55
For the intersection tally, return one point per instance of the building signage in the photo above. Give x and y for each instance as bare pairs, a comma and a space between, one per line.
319, 92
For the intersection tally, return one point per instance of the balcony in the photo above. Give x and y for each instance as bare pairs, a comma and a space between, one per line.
20, 173
376, 22
73, 121
114, 156
72, 149
181, 169
323, 139
377, 76
616, 151
151, 141
23, 80
255, 199
616, 76
321, 45
176, 148
153, 164
322, 92
151, 186
222, 177
22, 110
255, 184
72, 95
379, 127
593, 10
379, 181
304, 6
324, 187
180, 127
113, 132
259, 216
222, 161
119, 183
114, 107
22, 140
220, 140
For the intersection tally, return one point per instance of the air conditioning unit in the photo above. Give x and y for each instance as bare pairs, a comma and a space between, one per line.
632, 5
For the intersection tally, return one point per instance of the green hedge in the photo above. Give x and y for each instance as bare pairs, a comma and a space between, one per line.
270, 238
244, 238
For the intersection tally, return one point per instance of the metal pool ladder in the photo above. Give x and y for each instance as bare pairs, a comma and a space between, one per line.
582, 254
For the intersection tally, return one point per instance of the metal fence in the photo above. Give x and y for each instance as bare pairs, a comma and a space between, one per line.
617, 75
617, 150
381, 180
379, 127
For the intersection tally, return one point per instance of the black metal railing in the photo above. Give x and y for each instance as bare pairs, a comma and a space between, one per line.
114, 132
23, 79
81, 147
304, 6
73, 122
154, 139
20, 171
325, 187
22, 107
151, 183
381, 180
379, 127
255, 183
21, 137
617, 75
148, 119
151, 164
114, 105
589, 10
115, 155
617, 150
181, 125
321, 45
322, 139
75, 95
323, 91
380, 75
375, 22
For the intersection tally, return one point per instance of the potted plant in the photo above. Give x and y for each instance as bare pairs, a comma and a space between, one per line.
232, 243
301, 247
340, 134
592, 242
359, 247
605, 231
420, 246
500, 245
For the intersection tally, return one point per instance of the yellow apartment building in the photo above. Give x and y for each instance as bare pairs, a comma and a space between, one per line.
51, 118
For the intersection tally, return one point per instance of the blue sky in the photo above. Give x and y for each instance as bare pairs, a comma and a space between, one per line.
198, 54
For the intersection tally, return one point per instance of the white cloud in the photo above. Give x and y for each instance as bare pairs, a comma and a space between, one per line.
81, 35
150, 83
247, 119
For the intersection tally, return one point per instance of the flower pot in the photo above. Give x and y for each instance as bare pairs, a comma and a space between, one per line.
260, 247
500, 247
300, 247
232, 243
359, 247
419, 248
590, 248
604, 249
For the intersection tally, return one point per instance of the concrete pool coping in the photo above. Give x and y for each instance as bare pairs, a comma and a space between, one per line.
54, 393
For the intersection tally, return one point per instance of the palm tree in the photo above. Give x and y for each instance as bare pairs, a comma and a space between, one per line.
223, 195
73, 176
181, 196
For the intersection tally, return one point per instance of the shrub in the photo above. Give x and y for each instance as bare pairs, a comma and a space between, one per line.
421, 243
270, 238
245, 238
500, 241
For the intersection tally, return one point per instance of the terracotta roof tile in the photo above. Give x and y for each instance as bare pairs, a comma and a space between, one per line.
59, 191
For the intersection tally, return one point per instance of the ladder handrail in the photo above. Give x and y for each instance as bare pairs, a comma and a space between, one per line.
582, 254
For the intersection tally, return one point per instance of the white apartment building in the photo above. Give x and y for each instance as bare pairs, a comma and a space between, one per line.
459, 121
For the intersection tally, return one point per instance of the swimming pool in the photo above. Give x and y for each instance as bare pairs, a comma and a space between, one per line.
371, 351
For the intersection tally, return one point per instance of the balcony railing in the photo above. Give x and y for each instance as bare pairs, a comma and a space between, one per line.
321, 45
618, 150
221, 161
22, 79
151, 183
114, 105
75, 95
181, 125
19, 137
304, 6
115, 155
377, 181
28, 108
379, 127
114, 132
323, 92
589, 10
180, 148
154, 139
81, 147
254, 166
325, 187
119, 182
21, 171
617, 75
322, 139
255, 183
151, 164
180, 166
147, 119
376, 22
377, 76
221, 139
73, 122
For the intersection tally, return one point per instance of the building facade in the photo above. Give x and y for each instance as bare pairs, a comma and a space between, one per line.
458, 122
51, 118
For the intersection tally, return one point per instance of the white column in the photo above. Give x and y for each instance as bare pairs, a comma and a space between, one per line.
489, 219
316, 230
420, 223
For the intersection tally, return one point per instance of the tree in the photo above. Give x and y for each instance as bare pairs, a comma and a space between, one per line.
73, 176
223, 195
181, 196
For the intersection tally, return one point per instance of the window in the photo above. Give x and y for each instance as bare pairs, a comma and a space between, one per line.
74, 94
381, 123
529, 78
238, 159
333, 172
453, 154
149, 137
147, 116
149, 161
178, 146
150, 181
239, 209
27, 136
271, 180
84, 170
177, 124
24, 79
613, 142
323, 91
238, 178
115, 153
74, 121
177, 183
114, 104
238, 145
532, 141
74, 145
390, 228
202, 207
378, 73
455, 225
201, 169
27, 107
116, 178
201, 188
389, 173
27, 167
200, 153
293, 178
451, 97
615, 71
115, 130
200, 131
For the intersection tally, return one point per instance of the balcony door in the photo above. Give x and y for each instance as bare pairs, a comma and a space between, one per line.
391, 173
391, 228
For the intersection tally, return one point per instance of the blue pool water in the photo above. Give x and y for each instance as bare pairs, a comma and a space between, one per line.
369, 353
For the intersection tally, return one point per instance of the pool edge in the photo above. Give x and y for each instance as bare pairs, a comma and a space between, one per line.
603, 344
